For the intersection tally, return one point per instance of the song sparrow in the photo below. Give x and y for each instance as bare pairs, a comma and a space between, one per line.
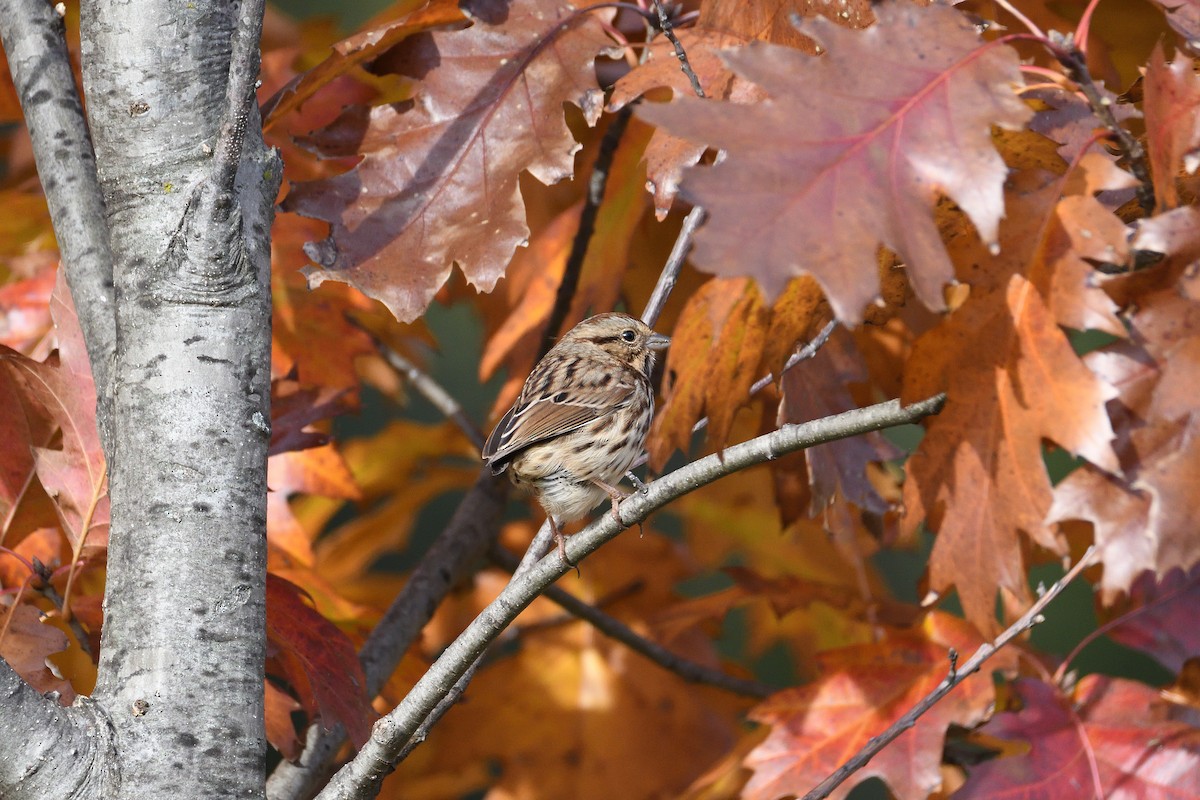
581, 418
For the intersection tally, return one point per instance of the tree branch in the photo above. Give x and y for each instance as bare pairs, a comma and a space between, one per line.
664, 23
364, 774
49, 751
244, 64
615, 629
35, 43
670, 272
426, 386
956, 676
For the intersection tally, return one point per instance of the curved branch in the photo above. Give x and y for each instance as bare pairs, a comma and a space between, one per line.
35, 43
49, 751
365, 773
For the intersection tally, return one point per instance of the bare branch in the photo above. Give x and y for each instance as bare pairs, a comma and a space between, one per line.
244, 64
670, 272
615, 629
426, 386
664, 22
364, 774
1075, 64
35, 43
956, 676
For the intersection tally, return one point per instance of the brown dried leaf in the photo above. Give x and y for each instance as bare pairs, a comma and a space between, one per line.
358, 49
438, 182
819, 387
867, 164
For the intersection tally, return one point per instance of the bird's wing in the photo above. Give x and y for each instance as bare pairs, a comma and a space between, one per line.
550, 416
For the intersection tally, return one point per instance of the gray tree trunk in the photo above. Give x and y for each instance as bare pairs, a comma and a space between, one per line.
187, 189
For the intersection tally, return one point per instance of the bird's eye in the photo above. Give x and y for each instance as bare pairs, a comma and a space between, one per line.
628, 335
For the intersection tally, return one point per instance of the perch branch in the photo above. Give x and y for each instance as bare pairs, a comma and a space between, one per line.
363, 775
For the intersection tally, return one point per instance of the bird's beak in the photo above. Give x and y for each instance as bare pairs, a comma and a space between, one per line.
658, 342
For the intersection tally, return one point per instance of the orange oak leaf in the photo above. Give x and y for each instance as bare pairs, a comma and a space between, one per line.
668, 155
317, 659
1121, 727
596, 704
866, 164
312, 339
771, 20
978, 477
862, 690
712, 363
1172, 103
75, 475
438, 181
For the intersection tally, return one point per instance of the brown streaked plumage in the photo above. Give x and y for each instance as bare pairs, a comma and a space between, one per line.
581, 418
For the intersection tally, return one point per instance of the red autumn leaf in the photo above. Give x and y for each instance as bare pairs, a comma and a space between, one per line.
816, 180
355, 50
863, 690
1162, 621
319, 660
75, 476
1172, 104
438, 182
1121, 726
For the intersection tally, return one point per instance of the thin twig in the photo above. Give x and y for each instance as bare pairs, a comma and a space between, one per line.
668, 29
1075, 63
670, 271
587, 226
362, 776
426, 385
615, 629
956, 676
